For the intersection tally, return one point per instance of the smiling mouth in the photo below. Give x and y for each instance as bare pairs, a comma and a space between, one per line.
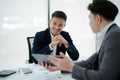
56, 31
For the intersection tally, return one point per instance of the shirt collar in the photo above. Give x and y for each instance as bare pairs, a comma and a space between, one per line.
52, 37
100, 36
102, 33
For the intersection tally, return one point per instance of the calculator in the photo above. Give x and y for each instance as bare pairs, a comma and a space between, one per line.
5, 73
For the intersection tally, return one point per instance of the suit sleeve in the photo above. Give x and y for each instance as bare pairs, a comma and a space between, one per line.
38, 45
89, 63
72, 50
109, 66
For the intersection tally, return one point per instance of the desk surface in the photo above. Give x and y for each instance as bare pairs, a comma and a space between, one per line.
39, 73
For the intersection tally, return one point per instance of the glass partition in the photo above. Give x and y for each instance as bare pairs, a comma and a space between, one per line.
19, 19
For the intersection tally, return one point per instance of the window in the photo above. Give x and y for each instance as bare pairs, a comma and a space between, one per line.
19, 19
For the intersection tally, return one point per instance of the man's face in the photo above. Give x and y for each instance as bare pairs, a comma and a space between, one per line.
56, 25
93, 22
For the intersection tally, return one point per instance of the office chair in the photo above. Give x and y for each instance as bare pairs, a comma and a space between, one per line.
30, 45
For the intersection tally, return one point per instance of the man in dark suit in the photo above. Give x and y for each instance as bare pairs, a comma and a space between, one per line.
105, 63
53, 40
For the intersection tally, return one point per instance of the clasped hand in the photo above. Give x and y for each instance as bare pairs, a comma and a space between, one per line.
59, 40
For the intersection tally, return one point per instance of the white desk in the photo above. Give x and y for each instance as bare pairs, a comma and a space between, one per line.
39, 73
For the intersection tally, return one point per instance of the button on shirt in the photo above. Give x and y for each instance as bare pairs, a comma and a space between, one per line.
100, 36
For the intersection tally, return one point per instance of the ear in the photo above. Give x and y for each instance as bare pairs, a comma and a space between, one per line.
99, 19
65, 25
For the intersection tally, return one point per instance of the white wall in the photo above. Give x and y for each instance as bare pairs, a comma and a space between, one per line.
117, 20
18, 20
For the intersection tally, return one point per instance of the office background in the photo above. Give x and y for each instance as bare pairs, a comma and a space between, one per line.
20, 19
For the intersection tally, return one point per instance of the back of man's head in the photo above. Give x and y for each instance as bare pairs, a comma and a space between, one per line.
105, 8
59, 14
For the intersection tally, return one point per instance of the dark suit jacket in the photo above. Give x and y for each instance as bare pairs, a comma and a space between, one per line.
43, 39
104, 65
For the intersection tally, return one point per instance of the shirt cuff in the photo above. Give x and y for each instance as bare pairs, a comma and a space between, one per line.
66, 46
50, 47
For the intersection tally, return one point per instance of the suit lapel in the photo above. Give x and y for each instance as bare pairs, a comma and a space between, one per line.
101, 53
109, 30
47, 36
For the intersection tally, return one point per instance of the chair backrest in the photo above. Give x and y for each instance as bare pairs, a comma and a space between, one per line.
30, 45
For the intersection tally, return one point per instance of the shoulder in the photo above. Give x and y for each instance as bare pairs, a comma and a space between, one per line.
114, 31
113, 35
42, 33
66, 36
64, 33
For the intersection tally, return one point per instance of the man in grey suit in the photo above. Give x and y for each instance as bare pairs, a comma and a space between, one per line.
105, 63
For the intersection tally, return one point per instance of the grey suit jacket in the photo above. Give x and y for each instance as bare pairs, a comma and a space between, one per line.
104, 65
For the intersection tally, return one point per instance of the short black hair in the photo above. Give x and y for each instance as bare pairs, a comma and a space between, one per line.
104, 8
59, 14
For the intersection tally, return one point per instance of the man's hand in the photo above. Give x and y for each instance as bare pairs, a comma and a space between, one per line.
58, 40
61, 39
49, 67
54, 42
62, 64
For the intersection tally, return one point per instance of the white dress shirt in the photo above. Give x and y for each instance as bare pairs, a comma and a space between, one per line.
100, 36
54, 48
